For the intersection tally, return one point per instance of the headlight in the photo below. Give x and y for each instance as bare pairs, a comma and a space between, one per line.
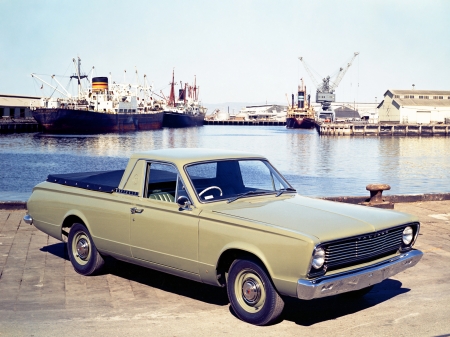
319, 258
407, 236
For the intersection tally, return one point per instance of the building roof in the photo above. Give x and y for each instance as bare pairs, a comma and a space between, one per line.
422, 102
18, 101
346, 112
419, 92
416, 101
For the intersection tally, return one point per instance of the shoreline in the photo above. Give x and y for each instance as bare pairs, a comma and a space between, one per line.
399, 198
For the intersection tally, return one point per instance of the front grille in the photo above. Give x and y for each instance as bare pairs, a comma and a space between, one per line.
362, 248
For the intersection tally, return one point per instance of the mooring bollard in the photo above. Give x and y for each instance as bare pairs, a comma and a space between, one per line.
376, 196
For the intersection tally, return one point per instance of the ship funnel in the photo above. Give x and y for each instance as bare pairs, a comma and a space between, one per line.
99, 84
181, 94
301, 99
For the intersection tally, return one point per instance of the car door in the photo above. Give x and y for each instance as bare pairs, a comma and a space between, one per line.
160, 231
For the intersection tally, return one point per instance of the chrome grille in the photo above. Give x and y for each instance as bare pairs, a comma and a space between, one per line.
363, 248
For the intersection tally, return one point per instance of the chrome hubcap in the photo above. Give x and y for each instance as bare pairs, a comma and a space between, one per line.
251, 292
83, 248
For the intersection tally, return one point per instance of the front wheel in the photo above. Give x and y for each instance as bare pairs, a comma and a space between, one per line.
83, 254
252, 296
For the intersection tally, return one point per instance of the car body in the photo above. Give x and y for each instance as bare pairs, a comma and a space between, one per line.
224, 218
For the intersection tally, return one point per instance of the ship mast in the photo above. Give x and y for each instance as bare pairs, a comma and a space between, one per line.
78, 75
172, 90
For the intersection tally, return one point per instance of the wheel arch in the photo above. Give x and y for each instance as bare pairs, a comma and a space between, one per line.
70, 218
230, 254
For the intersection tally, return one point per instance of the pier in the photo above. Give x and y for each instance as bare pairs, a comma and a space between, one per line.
9, 125
255, 122
353, 129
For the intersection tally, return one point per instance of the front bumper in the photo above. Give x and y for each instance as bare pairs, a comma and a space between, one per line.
356, 279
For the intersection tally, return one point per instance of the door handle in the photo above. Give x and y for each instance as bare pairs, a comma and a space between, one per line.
135, 210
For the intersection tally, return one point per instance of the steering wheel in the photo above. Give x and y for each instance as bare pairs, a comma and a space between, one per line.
210, 188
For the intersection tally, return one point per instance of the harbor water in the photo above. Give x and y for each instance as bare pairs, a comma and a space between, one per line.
315, 165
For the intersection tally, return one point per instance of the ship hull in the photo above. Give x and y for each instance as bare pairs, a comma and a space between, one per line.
181, 120
86, 121
299, 123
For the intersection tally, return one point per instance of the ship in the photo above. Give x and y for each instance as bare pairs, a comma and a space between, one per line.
100, 108
185, 110
302, 115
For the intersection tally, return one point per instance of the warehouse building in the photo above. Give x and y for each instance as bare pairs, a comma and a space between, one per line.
415, 107
16, 106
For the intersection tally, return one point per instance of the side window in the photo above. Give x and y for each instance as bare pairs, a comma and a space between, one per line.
256, 175
161, 181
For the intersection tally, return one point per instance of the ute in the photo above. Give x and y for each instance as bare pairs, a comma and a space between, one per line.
224, 218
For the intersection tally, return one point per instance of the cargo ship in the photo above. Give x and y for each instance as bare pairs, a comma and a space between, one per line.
185, 110
100, 108
301, 115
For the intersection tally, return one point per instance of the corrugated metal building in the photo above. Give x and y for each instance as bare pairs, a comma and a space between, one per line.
415, 107
16, 106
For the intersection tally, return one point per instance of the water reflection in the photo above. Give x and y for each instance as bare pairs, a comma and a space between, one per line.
316, 166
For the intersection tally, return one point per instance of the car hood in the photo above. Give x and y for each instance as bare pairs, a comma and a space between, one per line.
325, 220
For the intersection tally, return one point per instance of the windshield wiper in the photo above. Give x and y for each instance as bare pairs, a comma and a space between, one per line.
242, 195
288, 189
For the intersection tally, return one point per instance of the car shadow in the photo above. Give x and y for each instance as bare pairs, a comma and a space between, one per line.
153, 278
301, 312
58, 249
311, 312
169, 283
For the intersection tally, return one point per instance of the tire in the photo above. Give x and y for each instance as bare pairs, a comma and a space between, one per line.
83, 254
353, 295
252, 295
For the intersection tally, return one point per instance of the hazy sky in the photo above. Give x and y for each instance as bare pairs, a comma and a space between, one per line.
241, 51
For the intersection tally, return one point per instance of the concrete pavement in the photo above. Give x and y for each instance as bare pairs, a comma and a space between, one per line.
41, 294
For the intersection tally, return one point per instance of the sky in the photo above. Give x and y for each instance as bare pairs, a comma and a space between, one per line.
240, 51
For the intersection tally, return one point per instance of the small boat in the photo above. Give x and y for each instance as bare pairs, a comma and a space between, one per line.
302, 115
99, 108
185, 110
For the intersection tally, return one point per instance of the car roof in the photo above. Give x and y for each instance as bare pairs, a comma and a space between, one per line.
184, 156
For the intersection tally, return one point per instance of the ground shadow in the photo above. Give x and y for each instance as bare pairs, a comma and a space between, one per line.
58, 249
304, 313
170, 283
311, 312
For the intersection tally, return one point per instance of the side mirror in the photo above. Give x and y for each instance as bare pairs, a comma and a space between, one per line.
184, 203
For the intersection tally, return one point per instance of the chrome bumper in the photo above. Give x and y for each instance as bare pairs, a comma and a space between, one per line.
28, 219
356, 279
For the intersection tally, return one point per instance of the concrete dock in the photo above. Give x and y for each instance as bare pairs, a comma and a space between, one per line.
41, 294
250, 122
359, 129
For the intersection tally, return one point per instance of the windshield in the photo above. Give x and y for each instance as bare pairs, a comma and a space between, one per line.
231, 179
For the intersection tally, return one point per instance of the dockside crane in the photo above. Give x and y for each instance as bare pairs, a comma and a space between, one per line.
325, 91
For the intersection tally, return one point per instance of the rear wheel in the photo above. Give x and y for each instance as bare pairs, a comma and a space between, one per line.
252, 296
83, 254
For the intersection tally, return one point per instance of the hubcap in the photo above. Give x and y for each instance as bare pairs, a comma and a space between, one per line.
83, 248
251, 292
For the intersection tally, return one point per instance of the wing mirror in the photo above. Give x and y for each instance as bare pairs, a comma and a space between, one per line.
184, 203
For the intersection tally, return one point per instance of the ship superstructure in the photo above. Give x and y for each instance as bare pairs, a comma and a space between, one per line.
300, 115
186, 109
99, 106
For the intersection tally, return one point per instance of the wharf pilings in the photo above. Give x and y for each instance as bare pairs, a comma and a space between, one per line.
349, 129
255, 122
19, 126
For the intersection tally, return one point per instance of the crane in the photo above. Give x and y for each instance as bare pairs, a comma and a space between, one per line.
325, 90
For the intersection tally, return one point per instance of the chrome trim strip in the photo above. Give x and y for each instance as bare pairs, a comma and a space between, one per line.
28, 219
356, 279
